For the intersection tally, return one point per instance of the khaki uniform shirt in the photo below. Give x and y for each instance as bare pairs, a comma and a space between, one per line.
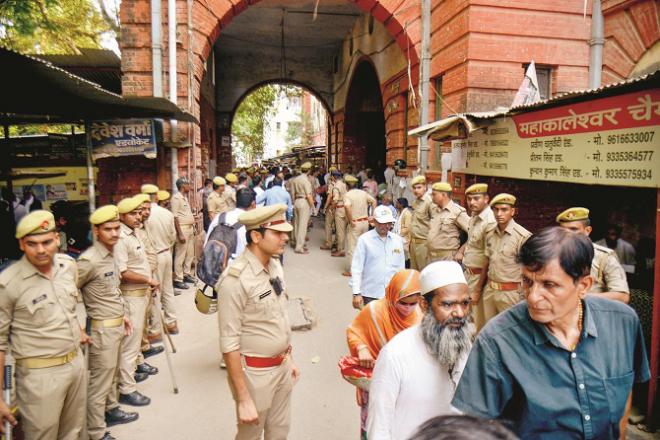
39, 314
475, 247
501, 250
339, 190
160, 228
144, 238
423, 211
358, 200
405, 220
216, 204
131, 254
444, 228
181, 210
301, 187
98, 281
607, 272
253, 319
314, 181
229, 196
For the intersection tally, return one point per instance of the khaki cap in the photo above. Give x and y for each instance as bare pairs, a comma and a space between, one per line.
477, 188
128, 204
503, 199
250, 170
143, 198
231, 178
263, 172
306, 166
348, 178
236, 170
163, 195
418, 180
219, 181
36, 222
573, 214
267, 217
441, 186
149, 188
332, 168
107, 213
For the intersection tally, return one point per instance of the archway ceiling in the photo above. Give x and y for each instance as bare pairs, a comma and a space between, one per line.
249, 50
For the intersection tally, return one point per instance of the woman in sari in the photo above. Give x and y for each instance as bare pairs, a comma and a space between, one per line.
379, 321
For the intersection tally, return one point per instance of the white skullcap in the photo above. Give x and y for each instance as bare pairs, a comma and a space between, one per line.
441, 274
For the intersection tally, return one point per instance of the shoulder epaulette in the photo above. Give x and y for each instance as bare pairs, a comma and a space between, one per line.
8, 273
236, 268
605, 249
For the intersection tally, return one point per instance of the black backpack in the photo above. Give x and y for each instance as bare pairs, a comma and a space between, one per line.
220, 246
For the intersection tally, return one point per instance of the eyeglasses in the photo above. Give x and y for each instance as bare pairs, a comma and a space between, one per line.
449, 306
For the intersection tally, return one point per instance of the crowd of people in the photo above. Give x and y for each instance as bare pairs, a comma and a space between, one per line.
465, 318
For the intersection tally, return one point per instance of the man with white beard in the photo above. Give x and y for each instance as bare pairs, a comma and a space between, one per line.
417, 372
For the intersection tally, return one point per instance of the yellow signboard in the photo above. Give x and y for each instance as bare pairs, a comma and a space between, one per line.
66, 183
608, 141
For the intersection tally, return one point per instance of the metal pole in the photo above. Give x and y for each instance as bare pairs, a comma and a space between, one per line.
7, 170
171, 47
596, 45
157, 47
655, 326
91, 193
424, 86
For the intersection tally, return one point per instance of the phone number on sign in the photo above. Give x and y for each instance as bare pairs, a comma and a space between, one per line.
630, 138
629, 174
628, 156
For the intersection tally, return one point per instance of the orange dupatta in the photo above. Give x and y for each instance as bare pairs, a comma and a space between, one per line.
379, 321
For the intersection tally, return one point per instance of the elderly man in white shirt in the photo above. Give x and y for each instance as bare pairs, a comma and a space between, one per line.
417, 372
378, 255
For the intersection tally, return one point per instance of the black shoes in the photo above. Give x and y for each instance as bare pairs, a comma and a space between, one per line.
140, 377
146, 368
188, 279
134, 399
180, 285
153, 351
107, 436
117, 416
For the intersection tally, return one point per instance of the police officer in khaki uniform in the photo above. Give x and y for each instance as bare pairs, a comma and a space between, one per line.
609, 278
339, 189
329, 242
98, 281
445, 228
163, 200
423, 210
229, 194
501, 276
255, 333
301, 192
356, 205
136, 286
216, 202
472, 253
38, 324
184, 249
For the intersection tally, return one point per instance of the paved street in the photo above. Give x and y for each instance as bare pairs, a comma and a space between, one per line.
323, 403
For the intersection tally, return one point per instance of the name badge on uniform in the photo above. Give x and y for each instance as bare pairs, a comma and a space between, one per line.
38, 299
139, 247
265, 294
108, 274
396, 250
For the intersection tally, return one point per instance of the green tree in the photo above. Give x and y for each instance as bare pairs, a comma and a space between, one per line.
251, 119
51, 26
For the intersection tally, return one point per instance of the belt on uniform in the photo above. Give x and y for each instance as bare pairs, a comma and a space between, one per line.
107, 323
301, 197
361, 219
419, 240
164, 250
474, 270
504, 286
34, 363
136, 292
267, 362
339, 205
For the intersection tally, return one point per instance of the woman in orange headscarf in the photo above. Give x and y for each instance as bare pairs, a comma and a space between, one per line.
380, 321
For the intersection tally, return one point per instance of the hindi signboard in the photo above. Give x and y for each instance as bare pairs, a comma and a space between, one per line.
604, 141
123, 137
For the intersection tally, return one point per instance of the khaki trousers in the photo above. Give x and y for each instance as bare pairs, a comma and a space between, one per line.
418, 254
497, 301
130, 347
103, 368
340, 230
440, 255
52, 400
329, 225
184, 253
302, 212
164, 277
270, 389
478, 309
354, 231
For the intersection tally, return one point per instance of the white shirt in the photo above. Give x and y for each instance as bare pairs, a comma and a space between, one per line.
625, 252
230, 218
389, 174
375, 261
258, 190
408, 387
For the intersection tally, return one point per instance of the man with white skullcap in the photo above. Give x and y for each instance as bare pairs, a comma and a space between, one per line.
418, 370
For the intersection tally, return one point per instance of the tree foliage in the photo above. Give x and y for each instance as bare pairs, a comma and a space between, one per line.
251, 119
51, 26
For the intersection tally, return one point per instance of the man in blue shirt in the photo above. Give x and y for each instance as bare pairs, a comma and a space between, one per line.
377, 257
276, 194
560, 365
